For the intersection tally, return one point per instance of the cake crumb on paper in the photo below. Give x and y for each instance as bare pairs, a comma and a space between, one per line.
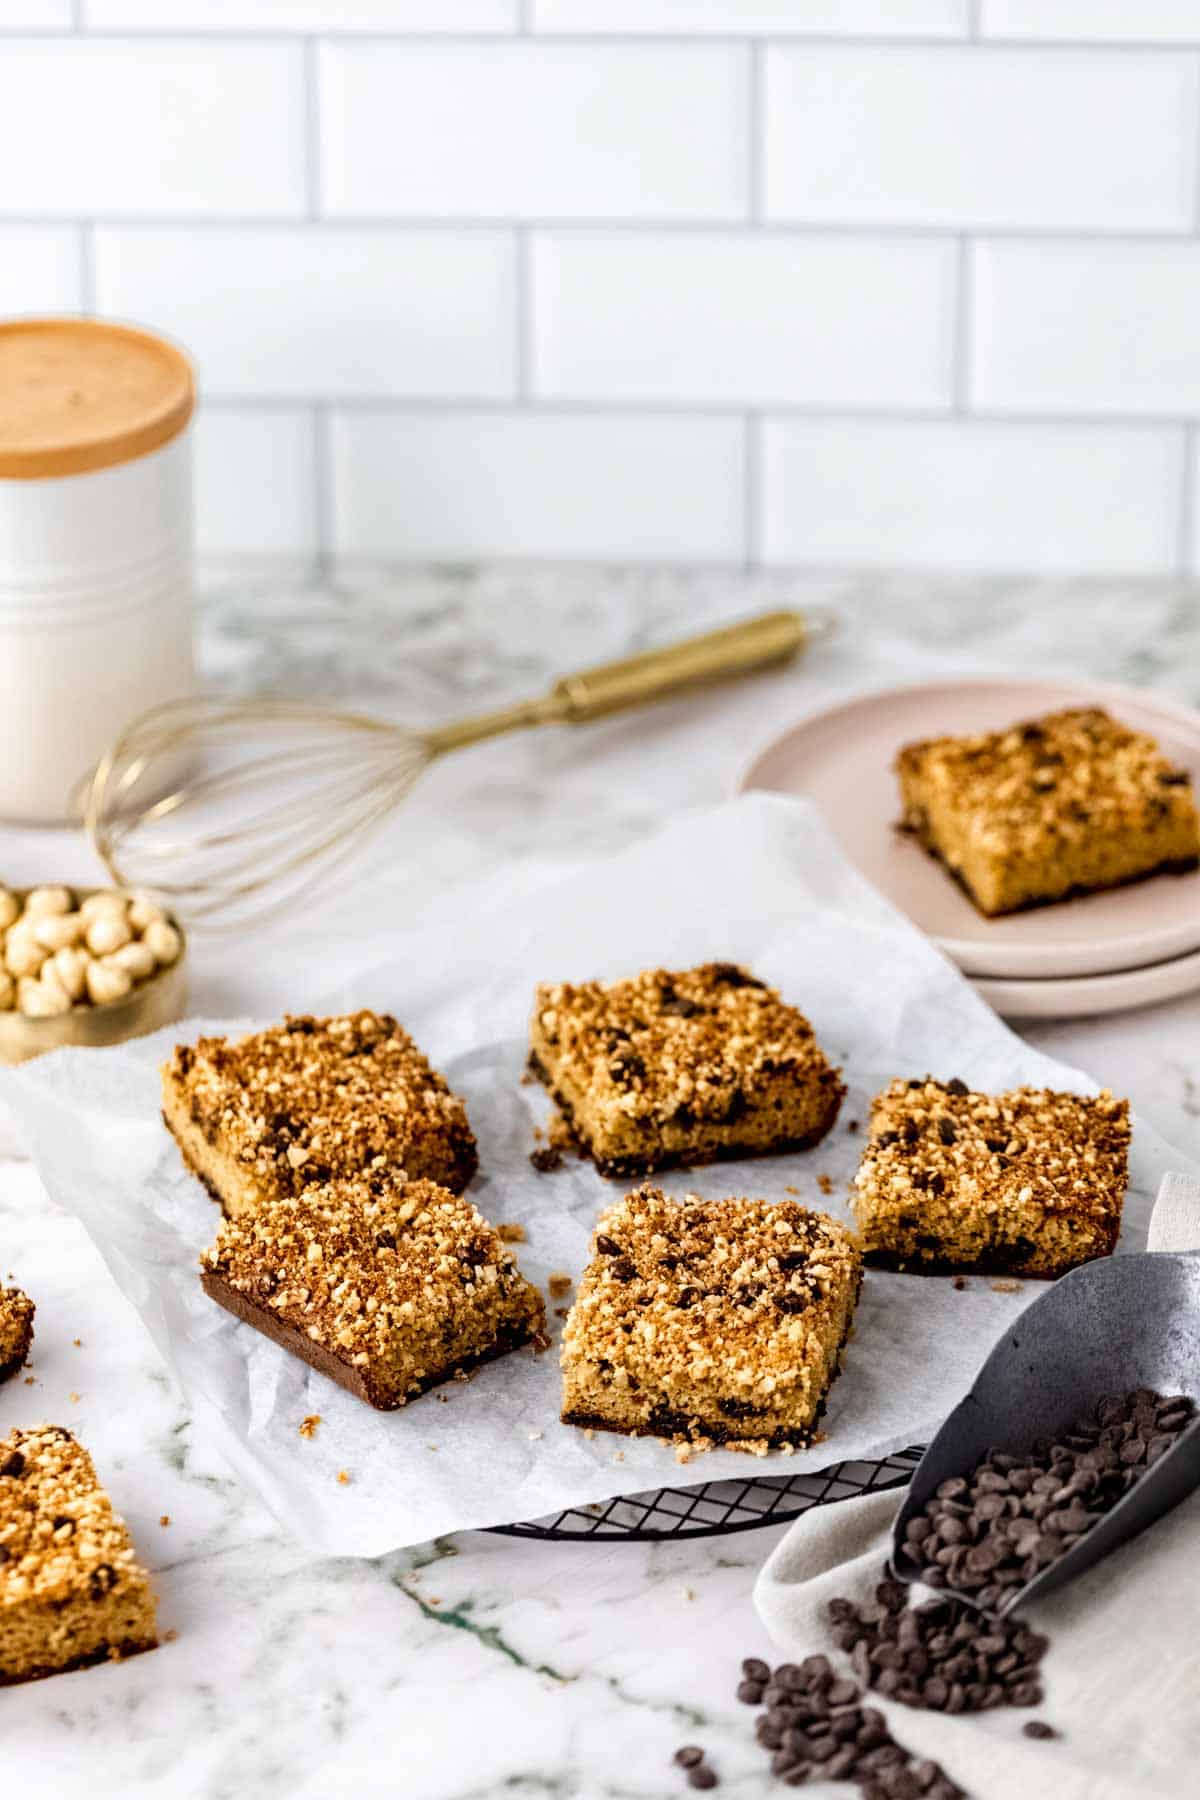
559, 1284
308, 1425
511, 1233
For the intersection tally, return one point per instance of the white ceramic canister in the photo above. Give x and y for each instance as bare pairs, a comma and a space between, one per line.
95, 549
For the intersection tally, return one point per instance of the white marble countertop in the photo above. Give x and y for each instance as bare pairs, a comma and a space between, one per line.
483, 1665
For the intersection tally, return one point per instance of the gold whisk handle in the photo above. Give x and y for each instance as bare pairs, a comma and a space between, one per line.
742, 649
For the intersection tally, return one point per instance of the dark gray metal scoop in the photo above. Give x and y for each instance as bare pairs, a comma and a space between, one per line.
1120, 1323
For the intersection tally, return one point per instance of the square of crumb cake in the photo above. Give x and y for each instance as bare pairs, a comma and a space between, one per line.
387, 1287
71, 1590
1062, 805
709, 1321
677, 1068
16, 1330
1024, 1183
263, 1117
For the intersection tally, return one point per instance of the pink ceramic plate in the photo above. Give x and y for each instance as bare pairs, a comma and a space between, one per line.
1090, 996
842, 759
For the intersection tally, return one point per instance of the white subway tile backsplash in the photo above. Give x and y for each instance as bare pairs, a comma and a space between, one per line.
175, 127
40, 268
530, 129
296, 311
1087, 328
947, 494
958, 136
849, 18
36, 15
719, 316
255, 482
1115, 21
520, 484
303, 15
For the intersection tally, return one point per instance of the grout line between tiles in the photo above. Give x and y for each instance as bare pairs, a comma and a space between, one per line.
1186, 525
524, 314
323, 485
752, 487
871, 231
87, 265
650, 406
312, 130
756, 125
964, 297
636, 40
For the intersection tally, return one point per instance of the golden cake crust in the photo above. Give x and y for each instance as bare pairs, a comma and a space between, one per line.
683, 1066
384, 1284
311, 1100
1068, 803
1029, 1182
709, 1320
71, 1590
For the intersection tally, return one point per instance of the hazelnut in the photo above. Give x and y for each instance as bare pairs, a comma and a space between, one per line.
41, 901
143, 912
70, 967
136, 958
105, 982
107, 932
37, 1001
163, 940
56, 930
106, 901
10, 908
8, 991
22, 956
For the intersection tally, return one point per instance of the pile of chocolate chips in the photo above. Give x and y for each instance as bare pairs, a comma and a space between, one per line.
1012, 1516
817, 1729
941, 1656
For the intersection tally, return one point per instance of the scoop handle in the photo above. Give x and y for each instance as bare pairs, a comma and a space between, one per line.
1175, 1221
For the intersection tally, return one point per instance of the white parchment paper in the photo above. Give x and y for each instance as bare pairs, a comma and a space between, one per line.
756, 880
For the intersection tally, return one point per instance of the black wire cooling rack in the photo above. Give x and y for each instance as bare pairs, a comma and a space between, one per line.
717, 1507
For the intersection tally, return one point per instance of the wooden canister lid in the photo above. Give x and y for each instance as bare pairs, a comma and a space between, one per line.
83, 394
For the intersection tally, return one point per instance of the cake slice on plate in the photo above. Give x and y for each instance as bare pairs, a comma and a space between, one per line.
1066, 804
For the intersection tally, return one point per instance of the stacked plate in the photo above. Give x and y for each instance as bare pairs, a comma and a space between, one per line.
1103, 953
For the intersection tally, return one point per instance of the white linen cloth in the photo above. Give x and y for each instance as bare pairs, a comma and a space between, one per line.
756, 880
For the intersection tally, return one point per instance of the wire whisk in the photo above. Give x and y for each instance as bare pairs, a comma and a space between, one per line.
229, 808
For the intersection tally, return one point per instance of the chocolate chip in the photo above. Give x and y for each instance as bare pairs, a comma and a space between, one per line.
701, 1776
750, 1693
886, 1139
729, 975
102, 1581
955, 1086
792, 1303
947, 1132
607, 1246
622, 1269
1175, 778
1038, 1728
546, 1158
679, 1007
688, 1755
755, 1669
13, 1464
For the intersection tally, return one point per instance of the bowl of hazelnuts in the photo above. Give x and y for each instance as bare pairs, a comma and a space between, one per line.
85, 966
